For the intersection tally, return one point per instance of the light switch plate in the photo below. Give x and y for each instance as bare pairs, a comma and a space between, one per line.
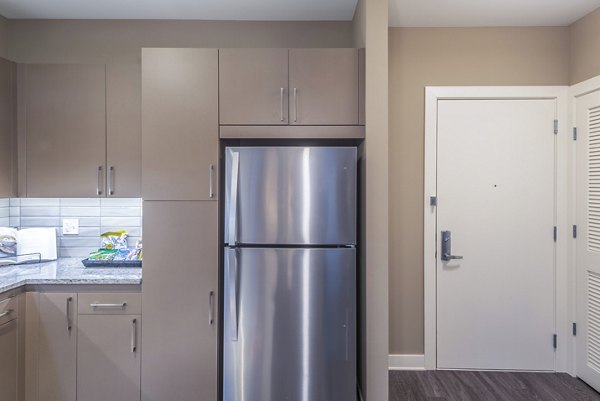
70, 226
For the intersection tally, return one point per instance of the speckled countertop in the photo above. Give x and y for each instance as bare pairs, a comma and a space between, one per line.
65, 271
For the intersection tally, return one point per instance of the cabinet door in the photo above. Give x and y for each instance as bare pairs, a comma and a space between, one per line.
108, 358
361, 86
124, 130
324, 86
179, 301
180, 121
8, 151
57, 358
8, 366
253, 86
66, 130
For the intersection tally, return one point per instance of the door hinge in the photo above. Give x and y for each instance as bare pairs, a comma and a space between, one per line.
554, 341
555, 234
574, 231
574, 328
574, 133
555, 127
433, 201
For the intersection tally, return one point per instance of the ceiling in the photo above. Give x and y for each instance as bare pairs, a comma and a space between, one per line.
259, 10
461, 13
407, 13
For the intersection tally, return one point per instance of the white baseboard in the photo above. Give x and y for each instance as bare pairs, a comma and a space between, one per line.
407, 362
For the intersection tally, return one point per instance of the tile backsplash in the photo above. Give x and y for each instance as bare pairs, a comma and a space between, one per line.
95, 217
4, 212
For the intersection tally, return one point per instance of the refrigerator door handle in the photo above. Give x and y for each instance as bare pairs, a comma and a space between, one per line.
232, 270
235, 167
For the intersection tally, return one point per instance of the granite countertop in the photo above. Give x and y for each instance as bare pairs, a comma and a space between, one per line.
65, 271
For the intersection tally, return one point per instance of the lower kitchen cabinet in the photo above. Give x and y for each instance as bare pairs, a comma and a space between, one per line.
79, 347
9, 364
181, 253
57, 345
108, 358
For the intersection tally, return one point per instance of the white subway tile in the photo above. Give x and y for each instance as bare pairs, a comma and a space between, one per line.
79, 252
40, 211
79, 211
40, 221
121, 202
123, 211
89, 202
40, 202
121, 221
89, 221
70, 242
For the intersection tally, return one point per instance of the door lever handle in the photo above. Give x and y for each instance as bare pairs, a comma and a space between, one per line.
447, 247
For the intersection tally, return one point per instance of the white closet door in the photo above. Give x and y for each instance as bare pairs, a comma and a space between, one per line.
588, 242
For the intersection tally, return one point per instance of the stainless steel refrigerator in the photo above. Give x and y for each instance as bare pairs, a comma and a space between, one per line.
289, 331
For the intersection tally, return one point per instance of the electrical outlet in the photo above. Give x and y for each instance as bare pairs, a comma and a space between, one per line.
70, 227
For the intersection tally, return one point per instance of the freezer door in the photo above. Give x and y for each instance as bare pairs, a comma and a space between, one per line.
290, 195
289, 325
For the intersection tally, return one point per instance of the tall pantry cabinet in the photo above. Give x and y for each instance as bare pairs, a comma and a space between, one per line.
180, 153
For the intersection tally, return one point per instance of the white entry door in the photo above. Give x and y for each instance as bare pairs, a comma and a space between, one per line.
588, 238
496, 197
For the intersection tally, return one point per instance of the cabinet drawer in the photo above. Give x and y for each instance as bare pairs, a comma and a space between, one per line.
8, 310
109, 304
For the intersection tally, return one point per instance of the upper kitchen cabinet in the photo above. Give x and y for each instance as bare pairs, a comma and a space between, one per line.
361, 86
180, 124
253, 86
124, 130
8, 143
324, 86
66, 130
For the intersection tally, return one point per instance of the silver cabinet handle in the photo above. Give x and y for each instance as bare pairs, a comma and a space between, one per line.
211, 193
69, 314
122, 305
281, 103
232, 289
233, 200
99, 183
6, 313
134, 335
211, 298
295, 104
111, 180
447, 247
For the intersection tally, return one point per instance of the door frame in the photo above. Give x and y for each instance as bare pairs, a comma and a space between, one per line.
564, 276
578, 90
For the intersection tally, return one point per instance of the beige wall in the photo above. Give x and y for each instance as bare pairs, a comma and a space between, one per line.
421, 57
108, 41
585, 48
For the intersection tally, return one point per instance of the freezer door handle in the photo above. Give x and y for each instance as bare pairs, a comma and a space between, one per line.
235, 167
232, 270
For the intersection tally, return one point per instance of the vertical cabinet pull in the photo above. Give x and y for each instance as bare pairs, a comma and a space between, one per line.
211, 193
295, 104
99, 183
134, 336
282, 90
111, 180
69, 314
211, 311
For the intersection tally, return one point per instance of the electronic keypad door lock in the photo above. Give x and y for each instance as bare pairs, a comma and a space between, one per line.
447, 247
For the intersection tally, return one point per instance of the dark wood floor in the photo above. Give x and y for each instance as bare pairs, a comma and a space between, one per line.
487, 386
